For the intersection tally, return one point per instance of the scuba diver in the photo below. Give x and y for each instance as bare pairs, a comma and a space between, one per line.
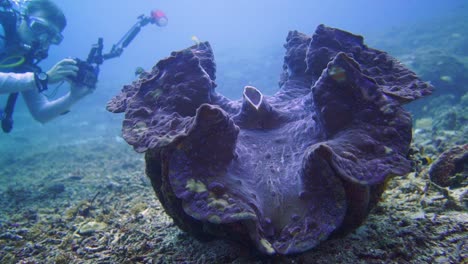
27, 29
26, 33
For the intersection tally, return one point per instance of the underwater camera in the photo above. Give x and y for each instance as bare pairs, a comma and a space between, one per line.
87, 74
88, 70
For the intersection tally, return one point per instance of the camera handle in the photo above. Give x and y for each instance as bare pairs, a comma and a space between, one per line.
95, 55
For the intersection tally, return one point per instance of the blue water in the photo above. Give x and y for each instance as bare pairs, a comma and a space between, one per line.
247, 38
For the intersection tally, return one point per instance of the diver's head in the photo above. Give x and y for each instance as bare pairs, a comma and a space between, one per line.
41, 25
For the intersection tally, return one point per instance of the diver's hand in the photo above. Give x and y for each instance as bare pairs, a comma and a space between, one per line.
62, 71
79, 91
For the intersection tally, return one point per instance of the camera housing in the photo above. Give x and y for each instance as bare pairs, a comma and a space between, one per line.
87, 74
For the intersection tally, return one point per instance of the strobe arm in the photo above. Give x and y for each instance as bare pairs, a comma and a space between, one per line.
95, 56
88, 70
117, 48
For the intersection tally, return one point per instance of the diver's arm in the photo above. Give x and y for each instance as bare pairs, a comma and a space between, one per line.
39, 105
16, 82
44, 110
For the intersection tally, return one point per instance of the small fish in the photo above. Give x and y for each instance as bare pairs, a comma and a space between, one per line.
426, 160
196, 40
337, 73
446, 78
139, 70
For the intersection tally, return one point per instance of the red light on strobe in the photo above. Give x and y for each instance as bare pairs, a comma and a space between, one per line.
159, 17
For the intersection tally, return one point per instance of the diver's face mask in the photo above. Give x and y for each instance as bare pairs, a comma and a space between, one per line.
44, 31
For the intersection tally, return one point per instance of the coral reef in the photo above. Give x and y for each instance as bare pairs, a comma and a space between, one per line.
284, 172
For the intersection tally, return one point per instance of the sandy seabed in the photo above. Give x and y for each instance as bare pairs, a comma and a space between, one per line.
90, 202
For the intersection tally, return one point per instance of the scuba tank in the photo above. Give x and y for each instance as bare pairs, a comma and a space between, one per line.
14, 55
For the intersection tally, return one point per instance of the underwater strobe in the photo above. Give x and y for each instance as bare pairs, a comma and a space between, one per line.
89, 70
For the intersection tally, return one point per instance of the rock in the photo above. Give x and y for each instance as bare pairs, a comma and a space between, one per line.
451, 167
91, 227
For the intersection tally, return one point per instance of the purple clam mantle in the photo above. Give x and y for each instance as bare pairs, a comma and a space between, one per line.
284, 171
